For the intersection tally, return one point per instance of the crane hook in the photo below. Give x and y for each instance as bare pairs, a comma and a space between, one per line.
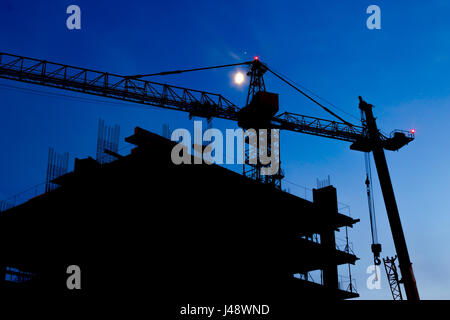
376, 249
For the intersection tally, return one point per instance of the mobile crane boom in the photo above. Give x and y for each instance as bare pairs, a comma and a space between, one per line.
390, 203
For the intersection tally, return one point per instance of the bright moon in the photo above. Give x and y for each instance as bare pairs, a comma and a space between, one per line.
239, 78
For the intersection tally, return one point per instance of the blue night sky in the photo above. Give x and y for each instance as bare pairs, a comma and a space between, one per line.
403, 69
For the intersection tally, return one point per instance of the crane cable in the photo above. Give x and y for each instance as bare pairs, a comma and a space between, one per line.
308, 96
368, 183
376, 247
315, 95
164, 73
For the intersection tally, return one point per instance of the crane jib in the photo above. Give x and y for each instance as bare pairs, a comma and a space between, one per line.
195, 102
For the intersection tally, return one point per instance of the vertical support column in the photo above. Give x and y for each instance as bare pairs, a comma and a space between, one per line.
387, 190
325, 202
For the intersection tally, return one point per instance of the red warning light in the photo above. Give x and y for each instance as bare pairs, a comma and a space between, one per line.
256, 58
413, 131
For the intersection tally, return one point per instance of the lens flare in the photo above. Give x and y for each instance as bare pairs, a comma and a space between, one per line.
239, 78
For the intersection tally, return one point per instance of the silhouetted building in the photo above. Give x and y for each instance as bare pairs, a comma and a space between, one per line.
185, 232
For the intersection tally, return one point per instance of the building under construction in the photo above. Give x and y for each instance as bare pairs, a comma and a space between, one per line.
184, 231
219, 229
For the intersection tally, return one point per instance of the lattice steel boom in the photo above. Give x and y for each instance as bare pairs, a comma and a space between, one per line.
195, 102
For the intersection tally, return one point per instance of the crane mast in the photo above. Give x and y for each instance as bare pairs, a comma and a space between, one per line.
365, 138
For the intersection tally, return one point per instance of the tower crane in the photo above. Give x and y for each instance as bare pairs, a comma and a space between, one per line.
366, 138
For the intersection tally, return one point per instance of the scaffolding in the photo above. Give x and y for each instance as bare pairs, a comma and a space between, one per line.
107, 139
58, 165
393, 279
